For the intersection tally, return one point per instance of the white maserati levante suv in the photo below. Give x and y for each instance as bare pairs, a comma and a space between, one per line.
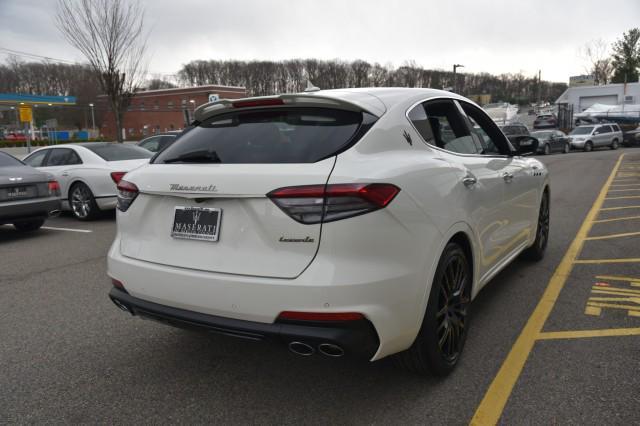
356, 222
88, 173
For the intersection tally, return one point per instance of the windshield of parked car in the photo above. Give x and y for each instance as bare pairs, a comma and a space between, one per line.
541, 135
8, 161
582, 130
282, 135
119, 152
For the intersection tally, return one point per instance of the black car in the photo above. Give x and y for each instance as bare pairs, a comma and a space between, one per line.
552, 141
631, 137
518, 134
27, 196
159, 141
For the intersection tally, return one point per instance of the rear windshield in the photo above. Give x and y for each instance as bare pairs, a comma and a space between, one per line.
119, 152
284, 135
582, 130
7, 160
541, 134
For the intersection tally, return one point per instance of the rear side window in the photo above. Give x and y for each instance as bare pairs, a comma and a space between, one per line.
63, 157
37, 158
283, 135
119, 152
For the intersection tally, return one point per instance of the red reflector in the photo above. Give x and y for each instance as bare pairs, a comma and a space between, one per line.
117, 283
117, 176
321, 316
54, 186
257, 103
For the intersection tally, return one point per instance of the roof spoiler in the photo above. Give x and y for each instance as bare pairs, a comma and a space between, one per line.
222, 106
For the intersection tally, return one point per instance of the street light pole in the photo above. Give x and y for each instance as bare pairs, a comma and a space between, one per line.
93, 119
455, 67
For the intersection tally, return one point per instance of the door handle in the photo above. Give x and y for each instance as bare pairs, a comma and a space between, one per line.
65, 174
469, 181
508, 177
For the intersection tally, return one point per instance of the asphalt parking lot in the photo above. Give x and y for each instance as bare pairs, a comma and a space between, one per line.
551, 342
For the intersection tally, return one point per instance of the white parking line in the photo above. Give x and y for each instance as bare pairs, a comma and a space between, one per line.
67, 229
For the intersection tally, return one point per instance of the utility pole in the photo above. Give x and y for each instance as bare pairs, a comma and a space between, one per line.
455, 86
93, 119
539, 85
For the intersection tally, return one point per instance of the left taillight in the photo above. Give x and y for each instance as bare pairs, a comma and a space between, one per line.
117, 176
127, 192
54, 188
310, 204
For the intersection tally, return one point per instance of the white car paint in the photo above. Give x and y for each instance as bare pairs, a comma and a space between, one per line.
93, 171
380, 264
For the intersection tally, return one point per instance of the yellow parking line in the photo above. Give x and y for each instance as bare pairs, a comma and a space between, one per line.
494, 400
615, 219
602, 261
626, 197
580, 334
617, 278
607, 237
608, 209
624, 190
625, 184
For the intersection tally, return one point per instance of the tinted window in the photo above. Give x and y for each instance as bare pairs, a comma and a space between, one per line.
542, 135
582, 130
118, 152
419, 118
449, 128
486, 131
151, 144
283, 135
63, 157
36, 159
7, 160
510, 130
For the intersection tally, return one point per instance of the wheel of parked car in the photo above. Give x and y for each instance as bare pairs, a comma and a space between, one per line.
28, 225
588, 146
83, 204
536, 251
547, 149
614, 144
566, 148
439, 343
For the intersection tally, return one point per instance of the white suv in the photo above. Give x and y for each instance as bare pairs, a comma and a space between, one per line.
595, 136
355, 222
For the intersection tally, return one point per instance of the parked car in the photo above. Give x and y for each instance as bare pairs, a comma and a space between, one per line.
27, 196
596, 136
15, 136
88, 172
355, 222
631, 137
552, 141
159, 141
517, 133
545, 121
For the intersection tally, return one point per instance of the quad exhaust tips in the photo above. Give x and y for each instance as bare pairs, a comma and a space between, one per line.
327, 349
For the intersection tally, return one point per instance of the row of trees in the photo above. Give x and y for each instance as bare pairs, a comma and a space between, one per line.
615, 63
273, 77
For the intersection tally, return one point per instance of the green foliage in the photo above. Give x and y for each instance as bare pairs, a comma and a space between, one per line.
626, 57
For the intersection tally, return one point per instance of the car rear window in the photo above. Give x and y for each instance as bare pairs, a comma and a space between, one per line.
283, 135
7, 160
119, 152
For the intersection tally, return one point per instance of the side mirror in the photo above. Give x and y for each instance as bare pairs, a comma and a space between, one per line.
526, 145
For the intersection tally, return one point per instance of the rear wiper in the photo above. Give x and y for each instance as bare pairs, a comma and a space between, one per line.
202, 156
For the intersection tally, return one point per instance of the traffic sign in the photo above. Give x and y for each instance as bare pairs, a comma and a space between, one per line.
26, 114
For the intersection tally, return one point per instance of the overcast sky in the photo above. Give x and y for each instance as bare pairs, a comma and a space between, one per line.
494, 36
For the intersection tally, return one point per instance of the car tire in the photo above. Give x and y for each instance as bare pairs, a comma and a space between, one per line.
547, 149
614, 144
566, 148
537, 249
28, 225
588, 146
82, 202
439, 343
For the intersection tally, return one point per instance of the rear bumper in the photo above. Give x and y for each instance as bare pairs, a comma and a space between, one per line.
36, 208
357, 339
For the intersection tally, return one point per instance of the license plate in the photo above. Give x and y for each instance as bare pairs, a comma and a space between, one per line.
196, 223
19, 191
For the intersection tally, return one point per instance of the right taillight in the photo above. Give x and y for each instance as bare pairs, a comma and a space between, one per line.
127, 192
311, 204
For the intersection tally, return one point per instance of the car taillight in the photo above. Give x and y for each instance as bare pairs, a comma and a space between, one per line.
127, 192
311, 204
117, 176
54, 188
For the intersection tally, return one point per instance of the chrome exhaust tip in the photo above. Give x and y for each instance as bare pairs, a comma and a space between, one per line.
121, 305
54, 213
329, 349
301, 349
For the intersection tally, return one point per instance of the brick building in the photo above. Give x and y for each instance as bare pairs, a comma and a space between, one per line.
154, 111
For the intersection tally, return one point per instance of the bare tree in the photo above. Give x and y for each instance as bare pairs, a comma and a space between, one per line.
600, 65
109, 33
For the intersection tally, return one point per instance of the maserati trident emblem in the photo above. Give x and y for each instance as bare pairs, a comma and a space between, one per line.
407, 137
196, 216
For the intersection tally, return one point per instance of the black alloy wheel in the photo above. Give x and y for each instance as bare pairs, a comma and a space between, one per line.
536, 251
